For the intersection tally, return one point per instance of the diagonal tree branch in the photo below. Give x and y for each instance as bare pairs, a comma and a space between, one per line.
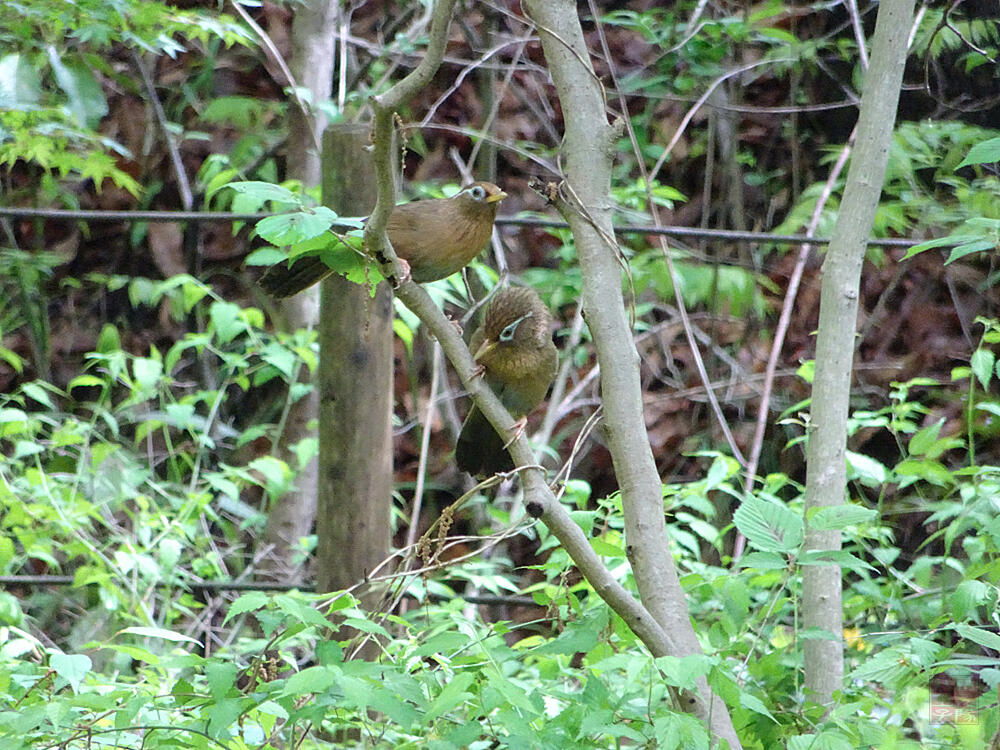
540, 502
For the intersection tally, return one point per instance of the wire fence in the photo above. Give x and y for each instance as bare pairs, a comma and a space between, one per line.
727, 235
38, 581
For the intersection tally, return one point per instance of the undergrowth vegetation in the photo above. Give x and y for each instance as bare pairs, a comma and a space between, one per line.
139, 415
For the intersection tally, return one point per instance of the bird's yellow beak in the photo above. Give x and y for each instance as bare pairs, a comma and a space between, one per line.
485, 348
496, 197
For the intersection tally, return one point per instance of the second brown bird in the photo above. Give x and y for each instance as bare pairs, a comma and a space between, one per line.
514, 347
436, 237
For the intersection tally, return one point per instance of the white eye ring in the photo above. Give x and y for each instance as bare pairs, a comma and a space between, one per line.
477, 192
508, 333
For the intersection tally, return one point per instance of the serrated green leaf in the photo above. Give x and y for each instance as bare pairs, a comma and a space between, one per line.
221, 679
830, 518
840, 557
246, 603
763, 561
280, 357
968, 596
978, 635
147, 373
769, 526
20, 85
301, 226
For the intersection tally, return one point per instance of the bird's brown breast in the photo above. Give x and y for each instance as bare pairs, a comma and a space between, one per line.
439, 237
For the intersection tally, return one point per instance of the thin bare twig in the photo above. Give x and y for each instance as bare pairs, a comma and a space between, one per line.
183, 183
271, 50
654, 211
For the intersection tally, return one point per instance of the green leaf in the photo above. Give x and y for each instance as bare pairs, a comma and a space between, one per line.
12, 415
221, 678
246, 603
147, 373
366, 626
756, 705
271, 708
311, 680
866, 469
950, 241
301, 226
20, 86
968, 248
71, 667
279, 357
572, 641
835, 517
134, 652
85, 381
825, 740
969, 596
385, 702
6, 551
263, 192
38, 391
277, 475
982, 363
605, 549
265, 256
222, 714
163, 633
300, 611
982, 153
928, 470
840, 557
226, 321
85, 98
978, 635
454, 692
515, 695
763, 561
769, 526
684, 671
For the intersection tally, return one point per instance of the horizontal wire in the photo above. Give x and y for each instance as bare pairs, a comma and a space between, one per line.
64, 581
730, 235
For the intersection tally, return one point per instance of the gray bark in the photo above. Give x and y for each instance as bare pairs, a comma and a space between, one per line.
588, 149
291, 518
826, 476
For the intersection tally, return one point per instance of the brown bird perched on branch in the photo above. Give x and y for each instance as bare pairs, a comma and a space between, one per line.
514, 347
435, 237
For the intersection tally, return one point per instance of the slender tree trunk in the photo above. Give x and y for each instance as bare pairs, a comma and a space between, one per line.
587, 152
292, 516
826, 480
539, 500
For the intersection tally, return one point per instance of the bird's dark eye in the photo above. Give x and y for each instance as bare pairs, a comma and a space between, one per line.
477, 192
507, 334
